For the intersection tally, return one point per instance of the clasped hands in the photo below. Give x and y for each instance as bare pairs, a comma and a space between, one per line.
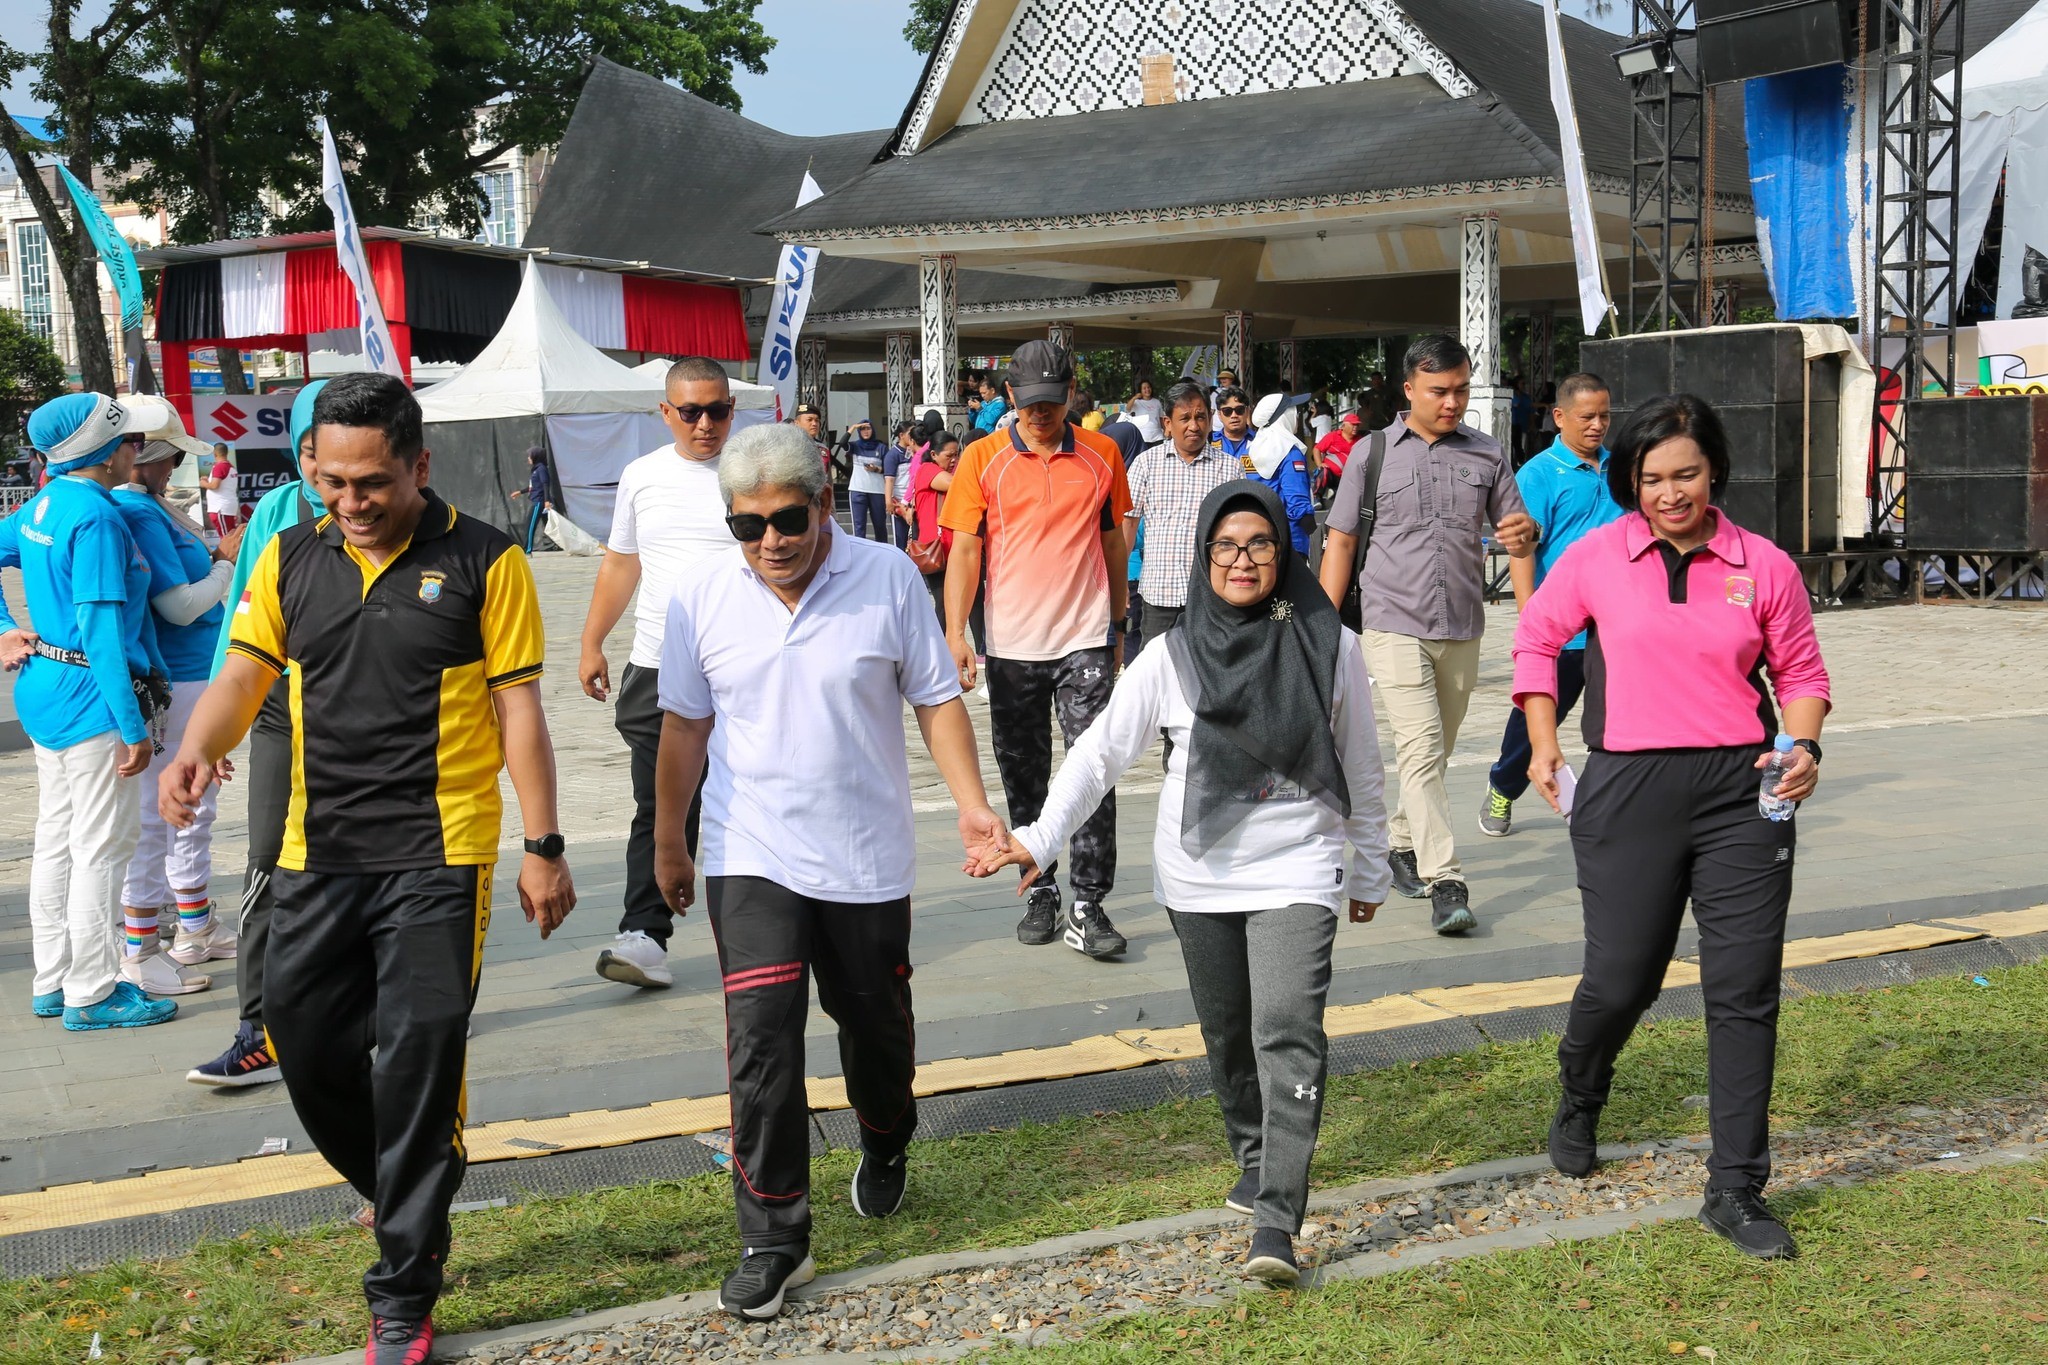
990, 848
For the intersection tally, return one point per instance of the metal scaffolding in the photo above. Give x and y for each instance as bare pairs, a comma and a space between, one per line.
1665, 202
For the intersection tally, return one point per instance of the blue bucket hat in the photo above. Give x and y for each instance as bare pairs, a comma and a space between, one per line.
80, 430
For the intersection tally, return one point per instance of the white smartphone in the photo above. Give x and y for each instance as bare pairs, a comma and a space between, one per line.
1567, 788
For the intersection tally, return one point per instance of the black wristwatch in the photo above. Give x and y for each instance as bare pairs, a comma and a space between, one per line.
1811, 746
547, 846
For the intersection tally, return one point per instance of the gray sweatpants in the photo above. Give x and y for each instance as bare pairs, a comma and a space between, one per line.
1259, 981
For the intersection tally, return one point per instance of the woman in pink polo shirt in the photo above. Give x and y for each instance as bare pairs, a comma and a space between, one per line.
1686, 615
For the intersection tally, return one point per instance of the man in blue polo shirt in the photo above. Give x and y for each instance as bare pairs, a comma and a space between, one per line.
87, 588
1565, 488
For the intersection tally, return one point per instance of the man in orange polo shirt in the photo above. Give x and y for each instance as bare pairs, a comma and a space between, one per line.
1042, 502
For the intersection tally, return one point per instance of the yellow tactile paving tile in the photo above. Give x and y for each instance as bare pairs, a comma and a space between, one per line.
2005, 923
1893, 938
516, 1139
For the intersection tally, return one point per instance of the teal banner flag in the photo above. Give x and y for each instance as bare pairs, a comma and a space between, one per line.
113, 249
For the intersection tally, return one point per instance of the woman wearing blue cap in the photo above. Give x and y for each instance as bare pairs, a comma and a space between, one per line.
79, 700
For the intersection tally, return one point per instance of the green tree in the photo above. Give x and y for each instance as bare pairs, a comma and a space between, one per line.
30, 371
927, 22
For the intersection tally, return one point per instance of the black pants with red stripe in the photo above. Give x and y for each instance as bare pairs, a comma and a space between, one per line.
770, 941
382, 962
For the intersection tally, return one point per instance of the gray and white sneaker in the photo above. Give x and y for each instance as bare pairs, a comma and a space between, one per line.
1041, 922
1089, 931
1496, 814
636, 960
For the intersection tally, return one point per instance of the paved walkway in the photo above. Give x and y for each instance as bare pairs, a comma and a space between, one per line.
1940, 715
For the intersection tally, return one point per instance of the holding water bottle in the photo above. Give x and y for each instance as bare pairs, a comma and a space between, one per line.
1777, 763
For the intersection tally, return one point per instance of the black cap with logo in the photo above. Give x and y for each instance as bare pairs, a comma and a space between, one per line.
1040, 372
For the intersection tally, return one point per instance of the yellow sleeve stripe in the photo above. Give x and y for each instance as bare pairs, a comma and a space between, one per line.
249, 651
513, 679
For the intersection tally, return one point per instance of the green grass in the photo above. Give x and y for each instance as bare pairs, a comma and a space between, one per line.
265, 1296
1923, 1268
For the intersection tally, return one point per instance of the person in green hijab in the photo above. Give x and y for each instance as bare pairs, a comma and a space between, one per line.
248, 1059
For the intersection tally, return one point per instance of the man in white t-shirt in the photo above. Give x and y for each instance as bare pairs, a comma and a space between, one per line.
669, 517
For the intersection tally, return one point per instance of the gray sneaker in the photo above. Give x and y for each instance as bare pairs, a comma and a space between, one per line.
1450, 908
1407, 880
1497, 815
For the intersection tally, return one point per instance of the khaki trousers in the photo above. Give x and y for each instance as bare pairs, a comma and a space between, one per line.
1424, 688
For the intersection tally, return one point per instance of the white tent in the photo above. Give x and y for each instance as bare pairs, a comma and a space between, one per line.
539, 382
2005, 125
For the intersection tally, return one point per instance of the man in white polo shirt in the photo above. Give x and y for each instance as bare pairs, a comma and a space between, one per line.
788, 661
668, 517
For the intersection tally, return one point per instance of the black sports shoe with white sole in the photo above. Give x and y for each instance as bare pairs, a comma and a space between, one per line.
878, 1185
1244, 1193
1089, 931
1041, 922
757, 1288
1272, 1259
1407, 878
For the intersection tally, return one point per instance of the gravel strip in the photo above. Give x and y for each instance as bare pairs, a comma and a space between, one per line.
1037, 1301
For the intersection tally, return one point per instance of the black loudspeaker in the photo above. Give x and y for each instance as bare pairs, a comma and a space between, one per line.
1783, 439
1743, 38
1977, 475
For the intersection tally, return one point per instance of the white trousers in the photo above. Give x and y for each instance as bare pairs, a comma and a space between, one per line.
168, 859
87, 822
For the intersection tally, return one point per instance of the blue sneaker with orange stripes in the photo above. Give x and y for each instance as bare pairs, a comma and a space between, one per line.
395, 1341
248, 1061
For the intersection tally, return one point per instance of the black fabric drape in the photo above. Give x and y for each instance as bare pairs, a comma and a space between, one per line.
451, 291
190, 307
477, 466
457, 348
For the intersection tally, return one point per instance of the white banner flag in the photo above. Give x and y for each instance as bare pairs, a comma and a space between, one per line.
1593, 302
795, 274
348, 247
1203, 364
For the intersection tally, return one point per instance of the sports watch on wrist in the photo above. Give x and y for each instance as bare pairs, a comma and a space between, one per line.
547, 846
1811, 746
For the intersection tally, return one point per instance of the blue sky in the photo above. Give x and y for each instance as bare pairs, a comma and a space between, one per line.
839, 66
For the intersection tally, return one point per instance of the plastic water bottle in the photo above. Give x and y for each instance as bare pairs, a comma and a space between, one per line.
1769, 804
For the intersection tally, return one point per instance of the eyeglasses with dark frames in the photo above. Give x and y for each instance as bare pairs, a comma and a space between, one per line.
1260, 550
748, 527
692, 413
1233, 410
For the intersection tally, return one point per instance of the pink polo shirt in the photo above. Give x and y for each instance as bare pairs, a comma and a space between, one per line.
1677, 646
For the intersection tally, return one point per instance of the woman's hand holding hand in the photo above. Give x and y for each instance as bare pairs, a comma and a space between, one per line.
1800, 778
1544, 762
1013, 855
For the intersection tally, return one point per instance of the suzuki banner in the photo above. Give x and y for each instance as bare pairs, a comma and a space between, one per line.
257, 428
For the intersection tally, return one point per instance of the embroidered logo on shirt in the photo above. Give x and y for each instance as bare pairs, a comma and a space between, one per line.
1741, 590
430, 586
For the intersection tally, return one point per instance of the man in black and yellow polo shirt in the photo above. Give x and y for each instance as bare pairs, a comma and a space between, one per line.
412, 636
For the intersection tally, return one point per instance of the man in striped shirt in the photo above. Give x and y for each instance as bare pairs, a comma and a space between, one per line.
1168, 483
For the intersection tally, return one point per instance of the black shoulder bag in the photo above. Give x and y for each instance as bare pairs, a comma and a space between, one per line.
1352, 611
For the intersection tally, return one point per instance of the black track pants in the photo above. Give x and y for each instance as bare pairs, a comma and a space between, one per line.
770, 941
270, 797
387, 961
1022, 696
1649, 831
638, 721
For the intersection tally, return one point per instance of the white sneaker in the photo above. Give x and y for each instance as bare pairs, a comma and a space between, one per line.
215, 943
636, 960
155, 974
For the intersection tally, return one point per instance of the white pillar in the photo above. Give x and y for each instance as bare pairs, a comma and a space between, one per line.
810, 372
1237, 348
938, 308
1479, 326
901, 380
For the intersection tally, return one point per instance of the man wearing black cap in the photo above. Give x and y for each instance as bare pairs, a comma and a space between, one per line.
811, 423
1047, 500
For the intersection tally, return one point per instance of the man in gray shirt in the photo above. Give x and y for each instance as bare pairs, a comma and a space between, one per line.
1422, 598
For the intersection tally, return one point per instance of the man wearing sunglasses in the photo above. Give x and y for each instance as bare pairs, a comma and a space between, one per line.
788, 667
667, 519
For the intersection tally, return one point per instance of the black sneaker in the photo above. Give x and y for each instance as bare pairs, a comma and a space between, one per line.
1574, 1148
248, 1061
1041, 922
756, 1289
878, 1185
395, 1341
1243, 1194
1272, 1259
1407, 881
1744, 1219
1450, 908
1089, 931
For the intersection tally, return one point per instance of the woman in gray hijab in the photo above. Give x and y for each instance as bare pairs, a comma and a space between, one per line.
1272, 768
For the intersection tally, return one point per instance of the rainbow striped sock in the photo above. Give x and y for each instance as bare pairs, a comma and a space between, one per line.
195, 917
141, 931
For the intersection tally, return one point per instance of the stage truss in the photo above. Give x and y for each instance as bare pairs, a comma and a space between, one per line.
1665, 201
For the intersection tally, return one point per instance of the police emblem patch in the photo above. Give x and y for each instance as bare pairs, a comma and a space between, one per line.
430, 587
1741, 591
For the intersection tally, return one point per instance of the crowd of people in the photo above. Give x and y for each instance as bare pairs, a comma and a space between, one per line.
1166, 574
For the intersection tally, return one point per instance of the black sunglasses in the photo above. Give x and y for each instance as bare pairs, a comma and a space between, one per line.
1233, 410
691, 413
748, 527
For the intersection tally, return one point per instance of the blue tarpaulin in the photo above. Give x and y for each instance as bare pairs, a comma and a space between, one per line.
1798, 128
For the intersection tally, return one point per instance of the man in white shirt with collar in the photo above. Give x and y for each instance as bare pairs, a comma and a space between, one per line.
668, 517
787, 662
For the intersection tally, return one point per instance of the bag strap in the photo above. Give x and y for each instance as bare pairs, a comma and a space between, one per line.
1369, 496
